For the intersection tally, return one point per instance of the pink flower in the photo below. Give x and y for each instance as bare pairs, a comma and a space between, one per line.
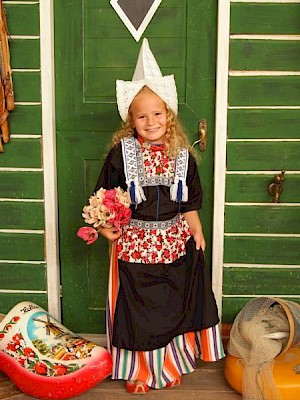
90, 235
110, 200
122, 216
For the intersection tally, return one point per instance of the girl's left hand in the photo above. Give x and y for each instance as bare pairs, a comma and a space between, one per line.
199, 240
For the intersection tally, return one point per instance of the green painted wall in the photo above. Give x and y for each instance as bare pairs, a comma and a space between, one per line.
262, 239
22, 258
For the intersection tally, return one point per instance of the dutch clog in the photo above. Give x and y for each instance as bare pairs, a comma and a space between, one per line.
46, 360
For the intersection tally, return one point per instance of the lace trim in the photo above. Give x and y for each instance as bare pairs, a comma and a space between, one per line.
154, 224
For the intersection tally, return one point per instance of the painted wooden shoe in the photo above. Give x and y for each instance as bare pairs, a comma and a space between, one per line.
137, 387
46, 360
176, 382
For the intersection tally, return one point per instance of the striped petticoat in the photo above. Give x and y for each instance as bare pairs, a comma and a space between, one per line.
158, 367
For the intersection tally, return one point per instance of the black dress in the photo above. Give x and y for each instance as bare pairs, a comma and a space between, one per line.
172, 295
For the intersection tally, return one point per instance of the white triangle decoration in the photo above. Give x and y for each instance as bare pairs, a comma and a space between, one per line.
136, 33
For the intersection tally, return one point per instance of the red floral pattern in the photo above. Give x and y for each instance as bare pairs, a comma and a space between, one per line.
153, 246
29, 359
156, 163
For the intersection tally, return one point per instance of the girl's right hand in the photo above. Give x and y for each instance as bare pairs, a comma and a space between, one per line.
111, 234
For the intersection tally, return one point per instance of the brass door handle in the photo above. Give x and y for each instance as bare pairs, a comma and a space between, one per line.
275, 188
202, 134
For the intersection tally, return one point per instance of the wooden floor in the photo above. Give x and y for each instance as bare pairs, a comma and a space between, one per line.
206, 383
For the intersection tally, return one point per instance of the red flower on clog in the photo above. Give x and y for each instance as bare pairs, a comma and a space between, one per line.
40, 368
15, 319
59, 369
28, 352
12, 347
8, 327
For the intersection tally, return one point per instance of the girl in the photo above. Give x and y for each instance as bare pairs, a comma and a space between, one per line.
164, 312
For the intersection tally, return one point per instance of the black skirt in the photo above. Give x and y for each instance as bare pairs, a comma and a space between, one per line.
157, 302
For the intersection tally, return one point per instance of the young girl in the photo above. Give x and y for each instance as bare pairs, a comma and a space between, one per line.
162, 312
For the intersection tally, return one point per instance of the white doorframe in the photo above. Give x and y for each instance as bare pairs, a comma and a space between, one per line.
49, 156
220, 149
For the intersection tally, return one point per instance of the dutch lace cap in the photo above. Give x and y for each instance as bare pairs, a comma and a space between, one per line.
147, 73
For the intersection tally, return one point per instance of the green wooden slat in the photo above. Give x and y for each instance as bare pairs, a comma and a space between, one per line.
270, 55
264, 90
23, 81
259, 124
253, 188
22, 153
261, 281
102, 4
23, 276
23, 19
166, 22
263, 156
9, 300
22, 246
21, 185
262, 250
232, 306
169, 53
21, 215
253, 219
274, 19
24, 53
26, 119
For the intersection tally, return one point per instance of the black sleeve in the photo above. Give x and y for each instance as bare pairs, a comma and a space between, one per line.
194, 188
112, 174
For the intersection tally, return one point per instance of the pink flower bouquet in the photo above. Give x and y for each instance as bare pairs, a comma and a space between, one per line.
107, 208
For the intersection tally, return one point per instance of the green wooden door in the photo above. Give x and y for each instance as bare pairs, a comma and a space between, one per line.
92, 49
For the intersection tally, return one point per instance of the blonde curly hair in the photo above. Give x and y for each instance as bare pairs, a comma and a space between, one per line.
175, 134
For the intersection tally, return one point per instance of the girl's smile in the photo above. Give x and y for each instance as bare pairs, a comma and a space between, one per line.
149, 116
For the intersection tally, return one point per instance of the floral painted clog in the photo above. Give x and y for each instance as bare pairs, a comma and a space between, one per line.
46, 360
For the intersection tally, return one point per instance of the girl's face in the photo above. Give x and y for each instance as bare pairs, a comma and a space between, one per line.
149, 116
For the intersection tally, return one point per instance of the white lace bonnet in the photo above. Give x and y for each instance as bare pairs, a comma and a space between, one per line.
147, 73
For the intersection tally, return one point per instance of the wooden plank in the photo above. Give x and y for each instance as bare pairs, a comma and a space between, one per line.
22, 215
254, 219
23, 19
169, 53
104, 4
167, 22
263, 124
253, 188
19, 276
22, 153
270, 55
7, 388
26, 119
256, 156
21, 185
261, 281
232, 306
261, 250
265, 18
22, 246
23, 81
25, 53
264, 90
9, 300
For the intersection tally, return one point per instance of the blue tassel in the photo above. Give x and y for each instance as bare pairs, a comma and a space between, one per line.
179, 191
132, 193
